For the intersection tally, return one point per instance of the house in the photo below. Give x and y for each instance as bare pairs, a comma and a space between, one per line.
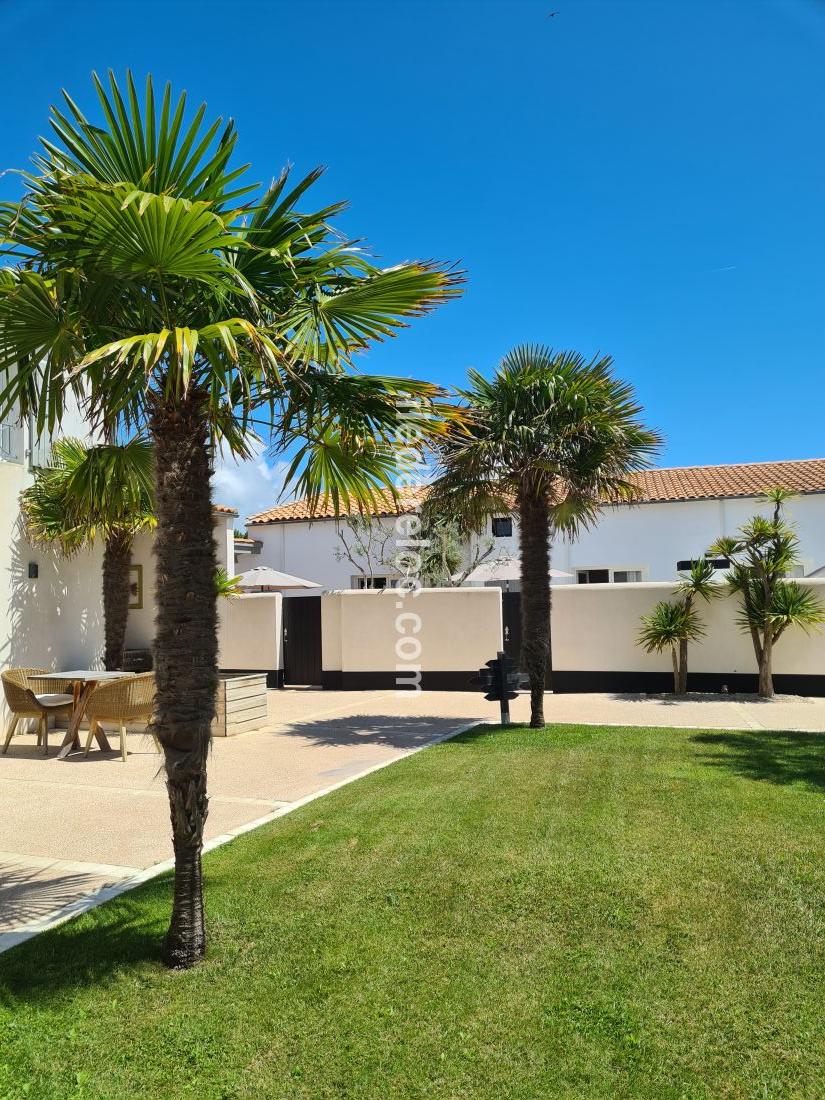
50, 606
679, 512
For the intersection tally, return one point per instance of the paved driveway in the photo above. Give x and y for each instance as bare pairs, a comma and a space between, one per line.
80, 826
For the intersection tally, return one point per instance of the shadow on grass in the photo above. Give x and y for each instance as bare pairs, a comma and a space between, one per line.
120, 936
776, 756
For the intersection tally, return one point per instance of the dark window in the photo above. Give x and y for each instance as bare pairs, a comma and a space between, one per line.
686, 565
593, 576
503, 528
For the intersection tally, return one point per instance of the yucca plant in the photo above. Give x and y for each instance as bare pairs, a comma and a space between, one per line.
90, 493
668, 626
696, 584
553, 437
761, 554
162, 293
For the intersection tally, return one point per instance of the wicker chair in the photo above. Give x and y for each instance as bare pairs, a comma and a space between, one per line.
121, 701
30, 693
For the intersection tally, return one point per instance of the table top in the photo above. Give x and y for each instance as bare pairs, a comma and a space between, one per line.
85, 674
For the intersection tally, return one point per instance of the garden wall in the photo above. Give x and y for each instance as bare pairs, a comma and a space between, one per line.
366, 643
250, 635
594, 632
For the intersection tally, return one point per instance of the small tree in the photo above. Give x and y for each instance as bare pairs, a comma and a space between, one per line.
448, 558
761, 555
696, 584
367, 543
671, 625
88, 493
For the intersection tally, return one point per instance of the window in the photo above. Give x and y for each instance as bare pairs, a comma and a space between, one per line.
11, 442
604, 576
593, 576
503, 527
687, 564
794, 571
373, 582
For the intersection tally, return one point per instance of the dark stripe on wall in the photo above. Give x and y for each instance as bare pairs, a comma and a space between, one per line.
660, 682
373, 681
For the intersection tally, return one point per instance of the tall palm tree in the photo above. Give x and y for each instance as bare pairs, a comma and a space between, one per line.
164, 294
553, 437
89, 493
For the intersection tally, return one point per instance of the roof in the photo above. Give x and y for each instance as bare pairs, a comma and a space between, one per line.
225, 509
743, 480
676, 483
298, 510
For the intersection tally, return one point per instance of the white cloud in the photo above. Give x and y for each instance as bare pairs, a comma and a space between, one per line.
249, 486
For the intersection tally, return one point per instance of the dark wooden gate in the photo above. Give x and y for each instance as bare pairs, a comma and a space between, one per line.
511, 619
302, 639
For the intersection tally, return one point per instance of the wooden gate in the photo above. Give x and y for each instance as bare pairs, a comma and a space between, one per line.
302, 639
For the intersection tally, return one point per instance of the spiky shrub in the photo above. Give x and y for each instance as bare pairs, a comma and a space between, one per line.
89, 493
162, 294
669, 626
761, 554
696, 584
553, 437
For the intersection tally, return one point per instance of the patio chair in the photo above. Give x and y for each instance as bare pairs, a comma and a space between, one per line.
31, 694
121, 701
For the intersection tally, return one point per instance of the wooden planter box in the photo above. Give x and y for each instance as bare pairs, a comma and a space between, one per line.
241, 704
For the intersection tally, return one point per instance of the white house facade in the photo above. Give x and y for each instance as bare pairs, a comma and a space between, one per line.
679, 513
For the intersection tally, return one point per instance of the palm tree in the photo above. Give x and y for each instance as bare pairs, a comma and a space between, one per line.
761, 554
89, 493
671, 626
553, 437
697, 583
162, 293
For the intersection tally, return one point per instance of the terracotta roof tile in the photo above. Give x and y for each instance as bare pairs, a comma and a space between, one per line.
224, 509
297, 510
657, 486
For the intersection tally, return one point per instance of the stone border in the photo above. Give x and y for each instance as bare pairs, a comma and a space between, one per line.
107, 893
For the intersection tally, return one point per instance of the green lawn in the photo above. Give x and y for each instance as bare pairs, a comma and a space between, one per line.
576, 912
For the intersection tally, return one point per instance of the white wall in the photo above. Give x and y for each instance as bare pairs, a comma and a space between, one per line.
649, 537
595, 627
308, 550
54, 621
459, 629
250, 633
140, 629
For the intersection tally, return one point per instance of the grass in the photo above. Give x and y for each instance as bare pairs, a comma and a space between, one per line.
575, 912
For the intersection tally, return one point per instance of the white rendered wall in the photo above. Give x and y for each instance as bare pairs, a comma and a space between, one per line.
595, 628
308, 550
53, 621
459, 629
140, 629
250, 633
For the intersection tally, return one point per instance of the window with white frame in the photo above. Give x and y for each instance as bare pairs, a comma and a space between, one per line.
360, 581
605, 574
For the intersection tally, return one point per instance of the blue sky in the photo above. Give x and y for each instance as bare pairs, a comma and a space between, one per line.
637, 177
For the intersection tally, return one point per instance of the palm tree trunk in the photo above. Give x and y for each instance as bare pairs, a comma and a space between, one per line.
534, 521
766, 666
117, 557
681, 681
677, 670
186, 652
